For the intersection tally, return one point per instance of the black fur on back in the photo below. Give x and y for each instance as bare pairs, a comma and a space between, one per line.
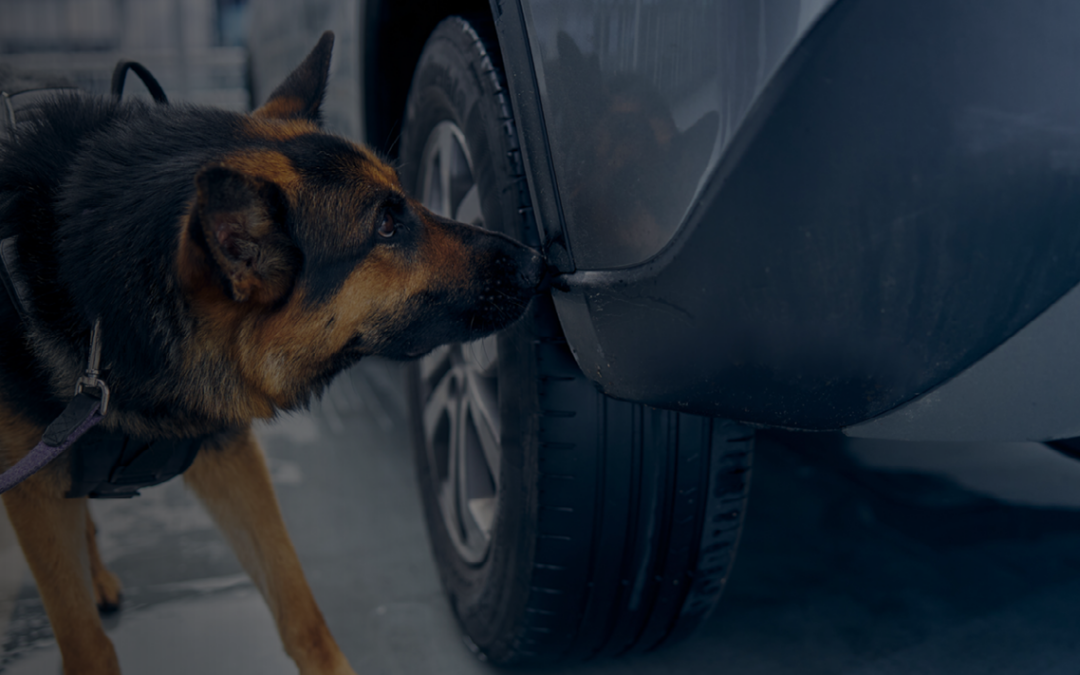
96, 190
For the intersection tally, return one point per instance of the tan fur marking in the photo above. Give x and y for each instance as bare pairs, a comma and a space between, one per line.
217, 348
450, 258
190, 260
268, 165
374, 170
278, 129
17, 436
280, 353
282, 107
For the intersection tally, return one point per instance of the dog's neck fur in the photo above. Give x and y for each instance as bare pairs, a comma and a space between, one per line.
98, 192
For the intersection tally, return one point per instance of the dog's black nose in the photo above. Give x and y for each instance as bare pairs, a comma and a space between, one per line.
527, 263
550, 277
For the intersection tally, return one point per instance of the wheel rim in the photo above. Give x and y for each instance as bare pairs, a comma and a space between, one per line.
459, 382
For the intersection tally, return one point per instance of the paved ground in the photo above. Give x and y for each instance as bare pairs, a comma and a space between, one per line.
857, 558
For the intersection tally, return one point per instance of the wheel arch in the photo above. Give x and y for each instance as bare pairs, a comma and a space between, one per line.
394, 33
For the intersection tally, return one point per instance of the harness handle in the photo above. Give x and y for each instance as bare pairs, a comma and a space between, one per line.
120, 74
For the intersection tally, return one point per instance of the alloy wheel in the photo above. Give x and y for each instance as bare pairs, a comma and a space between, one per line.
459, 382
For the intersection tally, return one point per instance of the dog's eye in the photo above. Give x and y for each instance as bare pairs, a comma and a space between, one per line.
388, 227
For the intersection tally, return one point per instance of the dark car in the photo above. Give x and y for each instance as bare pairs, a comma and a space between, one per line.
858, 215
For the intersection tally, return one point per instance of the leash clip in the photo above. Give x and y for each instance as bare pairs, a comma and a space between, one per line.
91, 379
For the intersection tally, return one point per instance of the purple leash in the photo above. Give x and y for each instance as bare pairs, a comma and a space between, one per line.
80, 415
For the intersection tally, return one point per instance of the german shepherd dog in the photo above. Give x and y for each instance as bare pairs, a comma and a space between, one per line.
236, 264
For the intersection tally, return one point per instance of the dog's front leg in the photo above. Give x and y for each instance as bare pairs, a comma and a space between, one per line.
234, 484
52, 533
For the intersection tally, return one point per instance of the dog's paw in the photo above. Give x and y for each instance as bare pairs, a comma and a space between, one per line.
107, 589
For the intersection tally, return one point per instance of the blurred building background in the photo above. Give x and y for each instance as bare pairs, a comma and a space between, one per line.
197, 49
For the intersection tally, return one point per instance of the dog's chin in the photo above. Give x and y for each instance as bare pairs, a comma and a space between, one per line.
349, 356
411, 352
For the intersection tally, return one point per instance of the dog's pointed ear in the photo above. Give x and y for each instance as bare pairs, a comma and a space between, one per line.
300, 96
238, 222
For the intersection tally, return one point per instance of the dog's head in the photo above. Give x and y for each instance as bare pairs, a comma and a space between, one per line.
301, 253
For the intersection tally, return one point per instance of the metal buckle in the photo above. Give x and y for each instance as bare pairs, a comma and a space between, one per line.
91, 379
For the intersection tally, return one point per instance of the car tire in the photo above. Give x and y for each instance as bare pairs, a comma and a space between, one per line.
564, 523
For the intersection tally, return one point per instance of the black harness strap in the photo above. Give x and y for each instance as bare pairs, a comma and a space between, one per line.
110, 464
120, 73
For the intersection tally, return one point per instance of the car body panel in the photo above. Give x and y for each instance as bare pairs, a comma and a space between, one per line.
1023, 390
899, 201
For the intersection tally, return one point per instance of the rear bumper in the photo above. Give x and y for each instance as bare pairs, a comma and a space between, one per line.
902, 199
1028, 389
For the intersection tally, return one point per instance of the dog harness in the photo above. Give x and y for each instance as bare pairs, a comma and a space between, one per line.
103, 463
